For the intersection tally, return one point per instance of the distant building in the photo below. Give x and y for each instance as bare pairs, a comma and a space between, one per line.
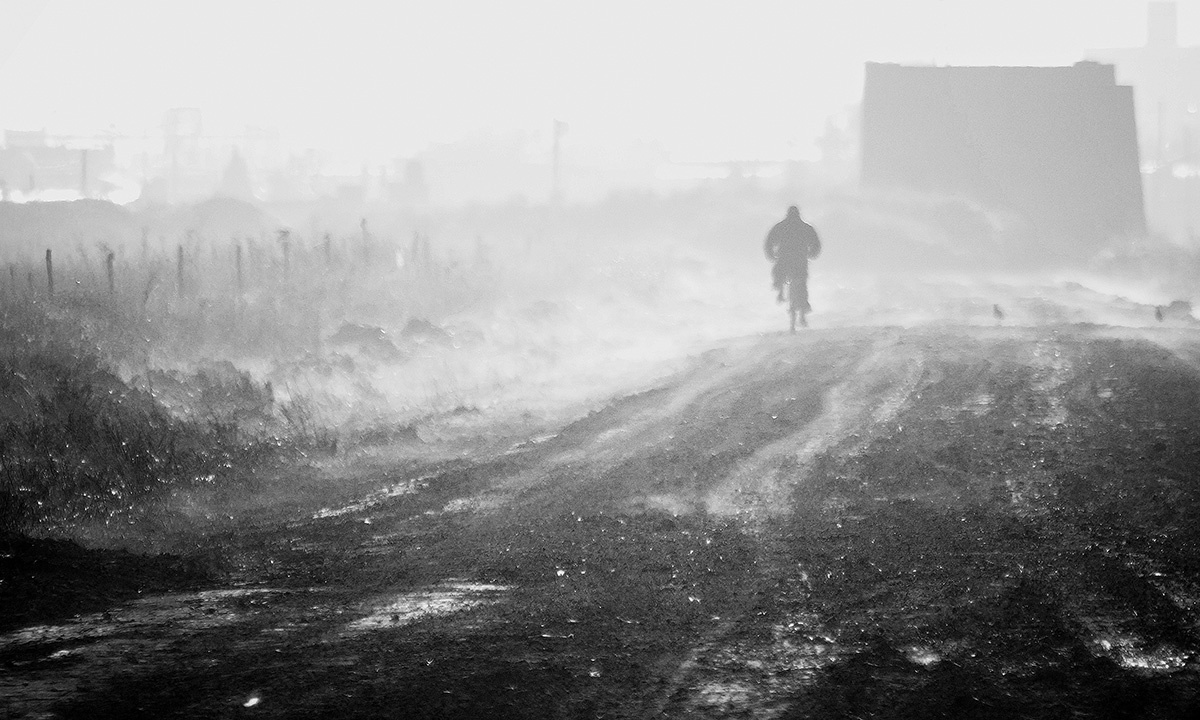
1166, 82
34, 165
1055, 145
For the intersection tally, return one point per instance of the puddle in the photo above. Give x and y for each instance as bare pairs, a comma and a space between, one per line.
442, 599
1128, 652
181, 611
924, 656
405, 487
41, 674
485, 502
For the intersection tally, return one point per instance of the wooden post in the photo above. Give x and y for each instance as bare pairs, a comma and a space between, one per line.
108, 268
50, 272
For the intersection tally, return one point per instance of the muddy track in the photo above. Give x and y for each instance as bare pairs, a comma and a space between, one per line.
956, 522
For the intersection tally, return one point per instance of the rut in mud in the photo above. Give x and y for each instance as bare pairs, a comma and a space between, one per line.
876, 522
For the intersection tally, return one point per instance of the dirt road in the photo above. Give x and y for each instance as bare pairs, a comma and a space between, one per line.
937, 522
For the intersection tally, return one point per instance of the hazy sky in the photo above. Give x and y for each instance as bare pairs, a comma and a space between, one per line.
717, 80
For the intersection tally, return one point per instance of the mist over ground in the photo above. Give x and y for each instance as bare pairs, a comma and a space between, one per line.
425, 359
370, 318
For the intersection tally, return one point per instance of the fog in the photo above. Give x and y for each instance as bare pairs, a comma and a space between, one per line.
362, 85
416, 224
542, 357
516, 317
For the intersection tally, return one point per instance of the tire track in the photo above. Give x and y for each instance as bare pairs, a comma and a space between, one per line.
755, 663
870, 396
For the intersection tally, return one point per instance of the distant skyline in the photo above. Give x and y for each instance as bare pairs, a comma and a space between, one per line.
370, 81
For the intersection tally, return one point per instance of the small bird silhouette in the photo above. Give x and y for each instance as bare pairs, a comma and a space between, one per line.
997, 313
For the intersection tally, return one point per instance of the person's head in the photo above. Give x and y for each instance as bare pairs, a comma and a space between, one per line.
793, 211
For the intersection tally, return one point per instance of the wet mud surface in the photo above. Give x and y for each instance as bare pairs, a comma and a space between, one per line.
953, 522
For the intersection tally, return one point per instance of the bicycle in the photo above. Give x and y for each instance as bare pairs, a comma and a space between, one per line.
790, 244
796, 289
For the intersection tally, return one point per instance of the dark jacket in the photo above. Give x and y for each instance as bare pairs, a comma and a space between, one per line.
791, 244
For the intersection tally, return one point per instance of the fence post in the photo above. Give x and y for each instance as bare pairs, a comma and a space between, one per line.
108, 268
50, 272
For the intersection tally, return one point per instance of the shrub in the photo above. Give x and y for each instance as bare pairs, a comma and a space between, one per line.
84, 446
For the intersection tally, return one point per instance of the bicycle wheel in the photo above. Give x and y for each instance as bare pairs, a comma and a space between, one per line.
796, 306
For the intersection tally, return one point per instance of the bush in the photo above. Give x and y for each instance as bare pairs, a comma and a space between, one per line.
82, 446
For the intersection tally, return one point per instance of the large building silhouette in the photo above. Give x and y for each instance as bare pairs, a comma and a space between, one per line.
1056, 146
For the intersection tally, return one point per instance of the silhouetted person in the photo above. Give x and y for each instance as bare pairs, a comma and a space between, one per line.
790, 244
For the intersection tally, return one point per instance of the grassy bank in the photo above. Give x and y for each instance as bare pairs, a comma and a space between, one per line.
78, 444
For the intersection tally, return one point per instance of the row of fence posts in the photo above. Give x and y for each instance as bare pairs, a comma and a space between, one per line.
110, 260
109, 271
419, 254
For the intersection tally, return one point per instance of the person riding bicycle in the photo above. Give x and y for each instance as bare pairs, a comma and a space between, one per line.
790, 244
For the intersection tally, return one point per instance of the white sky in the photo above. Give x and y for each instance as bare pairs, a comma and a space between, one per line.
711, 80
